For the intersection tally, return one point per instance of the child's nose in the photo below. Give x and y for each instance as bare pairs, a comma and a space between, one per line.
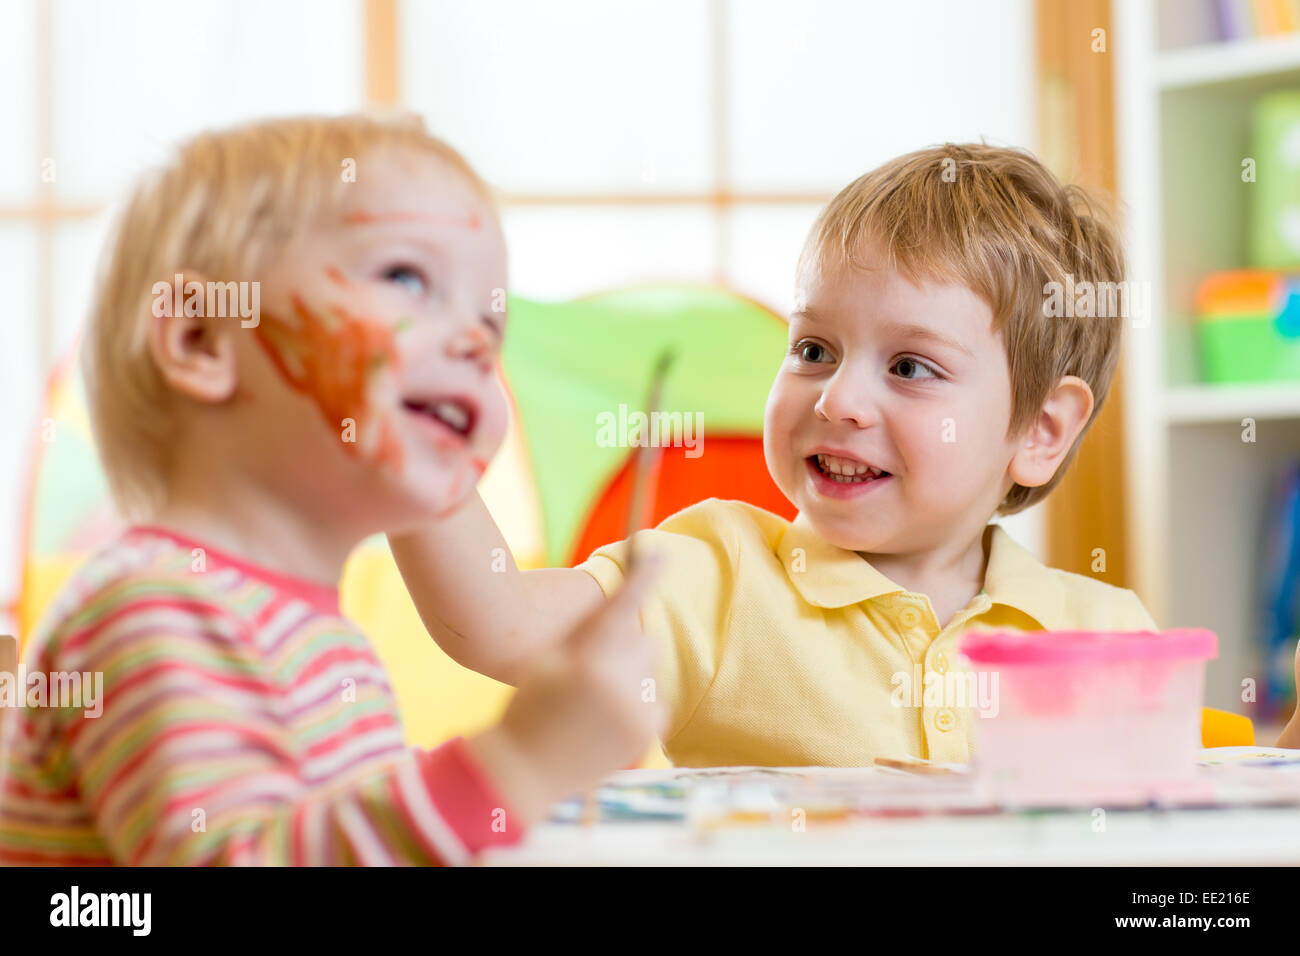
846, 399
473, 343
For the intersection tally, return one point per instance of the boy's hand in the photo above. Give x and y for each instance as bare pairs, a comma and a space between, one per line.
579, 711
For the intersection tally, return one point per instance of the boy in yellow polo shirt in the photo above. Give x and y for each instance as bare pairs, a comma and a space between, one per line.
929, 384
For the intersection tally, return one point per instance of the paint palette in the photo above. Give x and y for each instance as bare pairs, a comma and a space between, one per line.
735, 796
617, 801
710, 799
1251, 757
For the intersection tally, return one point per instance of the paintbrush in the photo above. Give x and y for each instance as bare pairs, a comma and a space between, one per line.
913, 765
640, 512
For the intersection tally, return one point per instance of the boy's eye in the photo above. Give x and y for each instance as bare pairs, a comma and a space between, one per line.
911, 368
811, 352
409, 276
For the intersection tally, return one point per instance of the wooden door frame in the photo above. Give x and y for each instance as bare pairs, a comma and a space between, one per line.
1076, 113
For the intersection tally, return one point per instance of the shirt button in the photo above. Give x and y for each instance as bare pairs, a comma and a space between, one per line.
941, 662
910, 617
944, 720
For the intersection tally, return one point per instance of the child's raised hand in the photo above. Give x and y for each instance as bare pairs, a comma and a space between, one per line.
581, 709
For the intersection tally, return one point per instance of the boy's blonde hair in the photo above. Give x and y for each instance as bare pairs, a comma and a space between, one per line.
223, 206
998, 222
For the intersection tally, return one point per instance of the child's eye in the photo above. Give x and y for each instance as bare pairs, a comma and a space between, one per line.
810, 352
910, 368
409, 276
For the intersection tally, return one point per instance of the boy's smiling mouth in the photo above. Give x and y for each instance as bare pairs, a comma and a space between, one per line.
846, 469
839, 476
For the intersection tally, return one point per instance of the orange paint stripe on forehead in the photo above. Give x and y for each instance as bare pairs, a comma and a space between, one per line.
333, 273
363, 218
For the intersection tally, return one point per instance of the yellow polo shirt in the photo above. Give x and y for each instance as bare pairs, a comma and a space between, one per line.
779, 649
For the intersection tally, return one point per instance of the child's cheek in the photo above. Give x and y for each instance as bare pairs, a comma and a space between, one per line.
347, 365
787, 408
496, 421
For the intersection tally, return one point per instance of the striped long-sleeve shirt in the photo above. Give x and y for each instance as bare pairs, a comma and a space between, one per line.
243, 720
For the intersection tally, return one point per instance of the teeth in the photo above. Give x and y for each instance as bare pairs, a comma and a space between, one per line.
845, 469
845, 466
451, 413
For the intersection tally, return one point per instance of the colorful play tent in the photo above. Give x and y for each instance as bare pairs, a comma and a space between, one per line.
558, 489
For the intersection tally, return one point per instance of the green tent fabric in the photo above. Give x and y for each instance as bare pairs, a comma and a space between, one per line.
569, 362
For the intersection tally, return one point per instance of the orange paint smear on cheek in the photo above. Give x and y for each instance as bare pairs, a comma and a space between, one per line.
331, 357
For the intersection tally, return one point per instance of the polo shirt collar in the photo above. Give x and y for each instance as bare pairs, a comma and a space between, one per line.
834, 578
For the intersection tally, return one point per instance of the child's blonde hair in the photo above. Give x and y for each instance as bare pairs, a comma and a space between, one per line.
223, 206
998, 222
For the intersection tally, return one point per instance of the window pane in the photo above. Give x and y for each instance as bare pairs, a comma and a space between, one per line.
765, 243
18, 159
570, 251
77, 250
20, 392
567, 95
134, 76
824, 90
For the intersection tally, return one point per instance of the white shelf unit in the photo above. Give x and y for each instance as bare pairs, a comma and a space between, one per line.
1197, 492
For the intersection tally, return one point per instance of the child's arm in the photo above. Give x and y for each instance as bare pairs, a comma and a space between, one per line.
189, 762
482, 610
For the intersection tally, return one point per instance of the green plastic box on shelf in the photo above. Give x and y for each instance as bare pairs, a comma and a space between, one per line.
1249, 329
1274, 232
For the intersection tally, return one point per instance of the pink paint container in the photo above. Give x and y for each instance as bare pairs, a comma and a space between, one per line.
1084, 718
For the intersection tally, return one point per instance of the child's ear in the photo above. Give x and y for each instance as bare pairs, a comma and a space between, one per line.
1044, 445
194, 353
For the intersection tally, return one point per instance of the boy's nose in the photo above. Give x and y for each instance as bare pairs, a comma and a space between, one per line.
843, 400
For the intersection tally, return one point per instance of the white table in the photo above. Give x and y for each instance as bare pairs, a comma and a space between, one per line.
1121, 837
1144, 838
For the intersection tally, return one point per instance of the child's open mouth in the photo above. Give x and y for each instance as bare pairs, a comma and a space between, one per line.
838, 476
450, 417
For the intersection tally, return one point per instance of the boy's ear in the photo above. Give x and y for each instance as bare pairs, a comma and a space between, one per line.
1047, 441
194, 353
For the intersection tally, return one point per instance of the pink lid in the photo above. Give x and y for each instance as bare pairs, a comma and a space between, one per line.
1087, 647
